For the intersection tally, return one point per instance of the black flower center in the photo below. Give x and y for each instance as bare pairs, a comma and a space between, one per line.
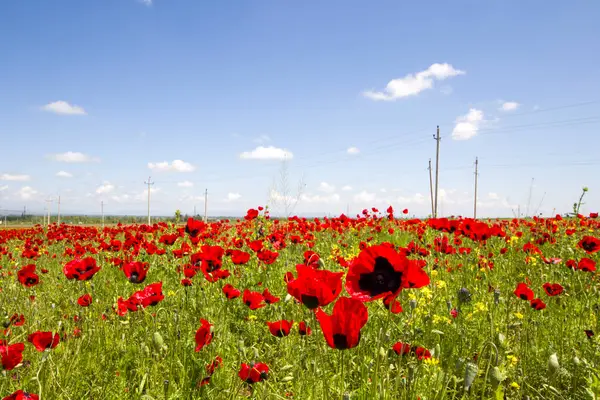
384, 278
340, 341
588, 246
134, 277
309, 301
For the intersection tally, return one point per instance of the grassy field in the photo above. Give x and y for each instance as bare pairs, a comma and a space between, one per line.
378, 307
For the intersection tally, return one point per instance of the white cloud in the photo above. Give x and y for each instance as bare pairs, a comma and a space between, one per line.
3, 188
326, 187
64, 108
262, 139
185, 184
233, 196
509, 106
17, 178
347, 188
72, 157
353, 150
326, 199
176, 166
413, 84
26, 192
365, 197
266, 153
467, 125
105, 188
493, 196
64, 174
417, 198
146, 2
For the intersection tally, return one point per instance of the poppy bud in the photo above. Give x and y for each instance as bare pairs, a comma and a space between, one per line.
412, 304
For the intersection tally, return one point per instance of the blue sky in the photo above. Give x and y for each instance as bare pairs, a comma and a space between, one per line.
96, 96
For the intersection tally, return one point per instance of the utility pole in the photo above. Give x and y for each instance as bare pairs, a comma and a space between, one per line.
437, 170
48, 201
149, 183
529, 198
431, 187
205, 205
102, 212
58, 221
475, 202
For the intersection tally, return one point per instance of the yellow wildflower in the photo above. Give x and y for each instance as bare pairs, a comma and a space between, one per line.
515, 385
519, 315
440, 284
480, 307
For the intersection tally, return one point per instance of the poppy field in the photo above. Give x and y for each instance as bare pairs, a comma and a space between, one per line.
378, 306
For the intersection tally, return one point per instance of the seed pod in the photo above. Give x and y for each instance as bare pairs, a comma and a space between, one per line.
553, 365
497, 377
470, 374
158, 341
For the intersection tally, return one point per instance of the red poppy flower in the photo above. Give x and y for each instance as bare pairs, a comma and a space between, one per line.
537, 304
27, 276
405, 211
304, 329
552, 289
312, 259
404, 348
523, 292
231, 292
392, 304
280, 328
269, 298
43, 340
21, 395
314, 288
253, 373
254, 300
342, 328
186, 282
204, 335
594, 215
454, 313
214, 276
210, 258
151, 295
251, 214
11, 355
267, 256
84, 300
401, 348
589, 244
422, 353
125, 305
194, 227
136, 271
216, 363
586, 265
81, 269
17, 320
256, 245
380, 271
239, 257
